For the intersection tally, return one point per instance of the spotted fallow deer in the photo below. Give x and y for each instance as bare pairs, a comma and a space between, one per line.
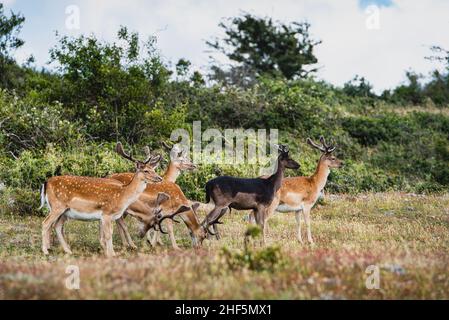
86, 198
179, 162
301, 193
143, 208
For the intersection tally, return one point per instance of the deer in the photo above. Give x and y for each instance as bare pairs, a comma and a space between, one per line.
143, 210
299, 194
257, 194
179, 162
88, 199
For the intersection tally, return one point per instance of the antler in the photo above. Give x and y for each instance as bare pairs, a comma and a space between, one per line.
120, 151
207, 224
181, 209
147, 151
154, 160
324, 147
282, 148
167, 146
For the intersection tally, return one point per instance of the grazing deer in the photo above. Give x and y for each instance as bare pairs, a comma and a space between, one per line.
87, 199
257, 194
179, 162
144, 207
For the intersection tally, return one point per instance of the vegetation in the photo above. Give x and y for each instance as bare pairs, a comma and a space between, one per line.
405, 236
67, 120
262, 46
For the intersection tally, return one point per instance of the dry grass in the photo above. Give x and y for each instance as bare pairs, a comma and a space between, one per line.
406, 236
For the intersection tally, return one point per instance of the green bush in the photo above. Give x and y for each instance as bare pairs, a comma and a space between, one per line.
19, 201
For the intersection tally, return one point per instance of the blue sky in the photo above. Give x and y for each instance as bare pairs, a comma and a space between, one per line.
403, 30
384, 3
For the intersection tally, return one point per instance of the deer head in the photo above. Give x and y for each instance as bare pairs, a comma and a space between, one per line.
145, 168
285, 159
179, 157
327, 157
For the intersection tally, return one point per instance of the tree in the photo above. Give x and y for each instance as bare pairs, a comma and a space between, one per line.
358, 87
411, 92
440, 55
9, 41
268, 47
438, 87
110, 84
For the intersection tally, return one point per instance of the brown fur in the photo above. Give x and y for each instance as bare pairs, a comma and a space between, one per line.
90, 196
177, 199
86, 198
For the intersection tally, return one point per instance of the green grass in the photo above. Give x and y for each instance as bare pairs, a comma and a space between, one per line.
406, 236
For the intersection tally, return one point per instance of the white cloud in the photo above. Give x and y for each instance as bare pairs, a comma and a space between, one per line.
8, 3
406, 30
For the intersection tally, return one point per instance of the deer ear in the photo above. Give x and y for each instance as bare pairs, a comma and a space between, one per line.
223, 211
154, 161
195, 206
182, 209
161, 197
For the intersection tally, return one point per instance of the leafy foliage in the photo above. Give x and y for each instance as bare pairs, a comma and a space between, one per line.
68, 121
268, 47
9, 42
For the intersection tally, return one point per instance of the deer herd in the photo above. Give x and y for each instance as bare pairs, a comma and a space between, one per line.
152, 199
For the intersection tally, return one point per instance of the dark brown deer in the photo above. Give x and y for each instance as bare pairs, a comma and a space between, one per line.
257, 194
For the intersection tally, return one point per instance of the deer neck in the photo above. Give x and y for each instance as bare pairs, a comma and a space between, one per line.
277, 177
320, 176
172, 173
134, 188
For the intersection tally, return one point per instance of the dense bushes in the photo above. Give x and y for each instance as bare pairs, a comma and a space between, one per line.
68, 123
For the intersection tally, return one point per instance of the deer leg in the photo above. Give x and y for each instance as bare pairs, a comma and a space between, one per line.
59, 226
107, 228
172, 235
121, 232
158, 236
156, 239
298, 221
102, 240
217, 234
307, 220
251, 217
260, 220
124, 233
53, 216
151, 237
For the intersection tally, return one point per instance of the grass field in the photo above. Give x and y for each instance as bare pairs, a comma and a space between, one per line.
405, 236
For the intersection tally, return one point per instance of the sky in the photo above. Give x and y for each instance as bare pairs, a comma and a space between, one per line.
377, 39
